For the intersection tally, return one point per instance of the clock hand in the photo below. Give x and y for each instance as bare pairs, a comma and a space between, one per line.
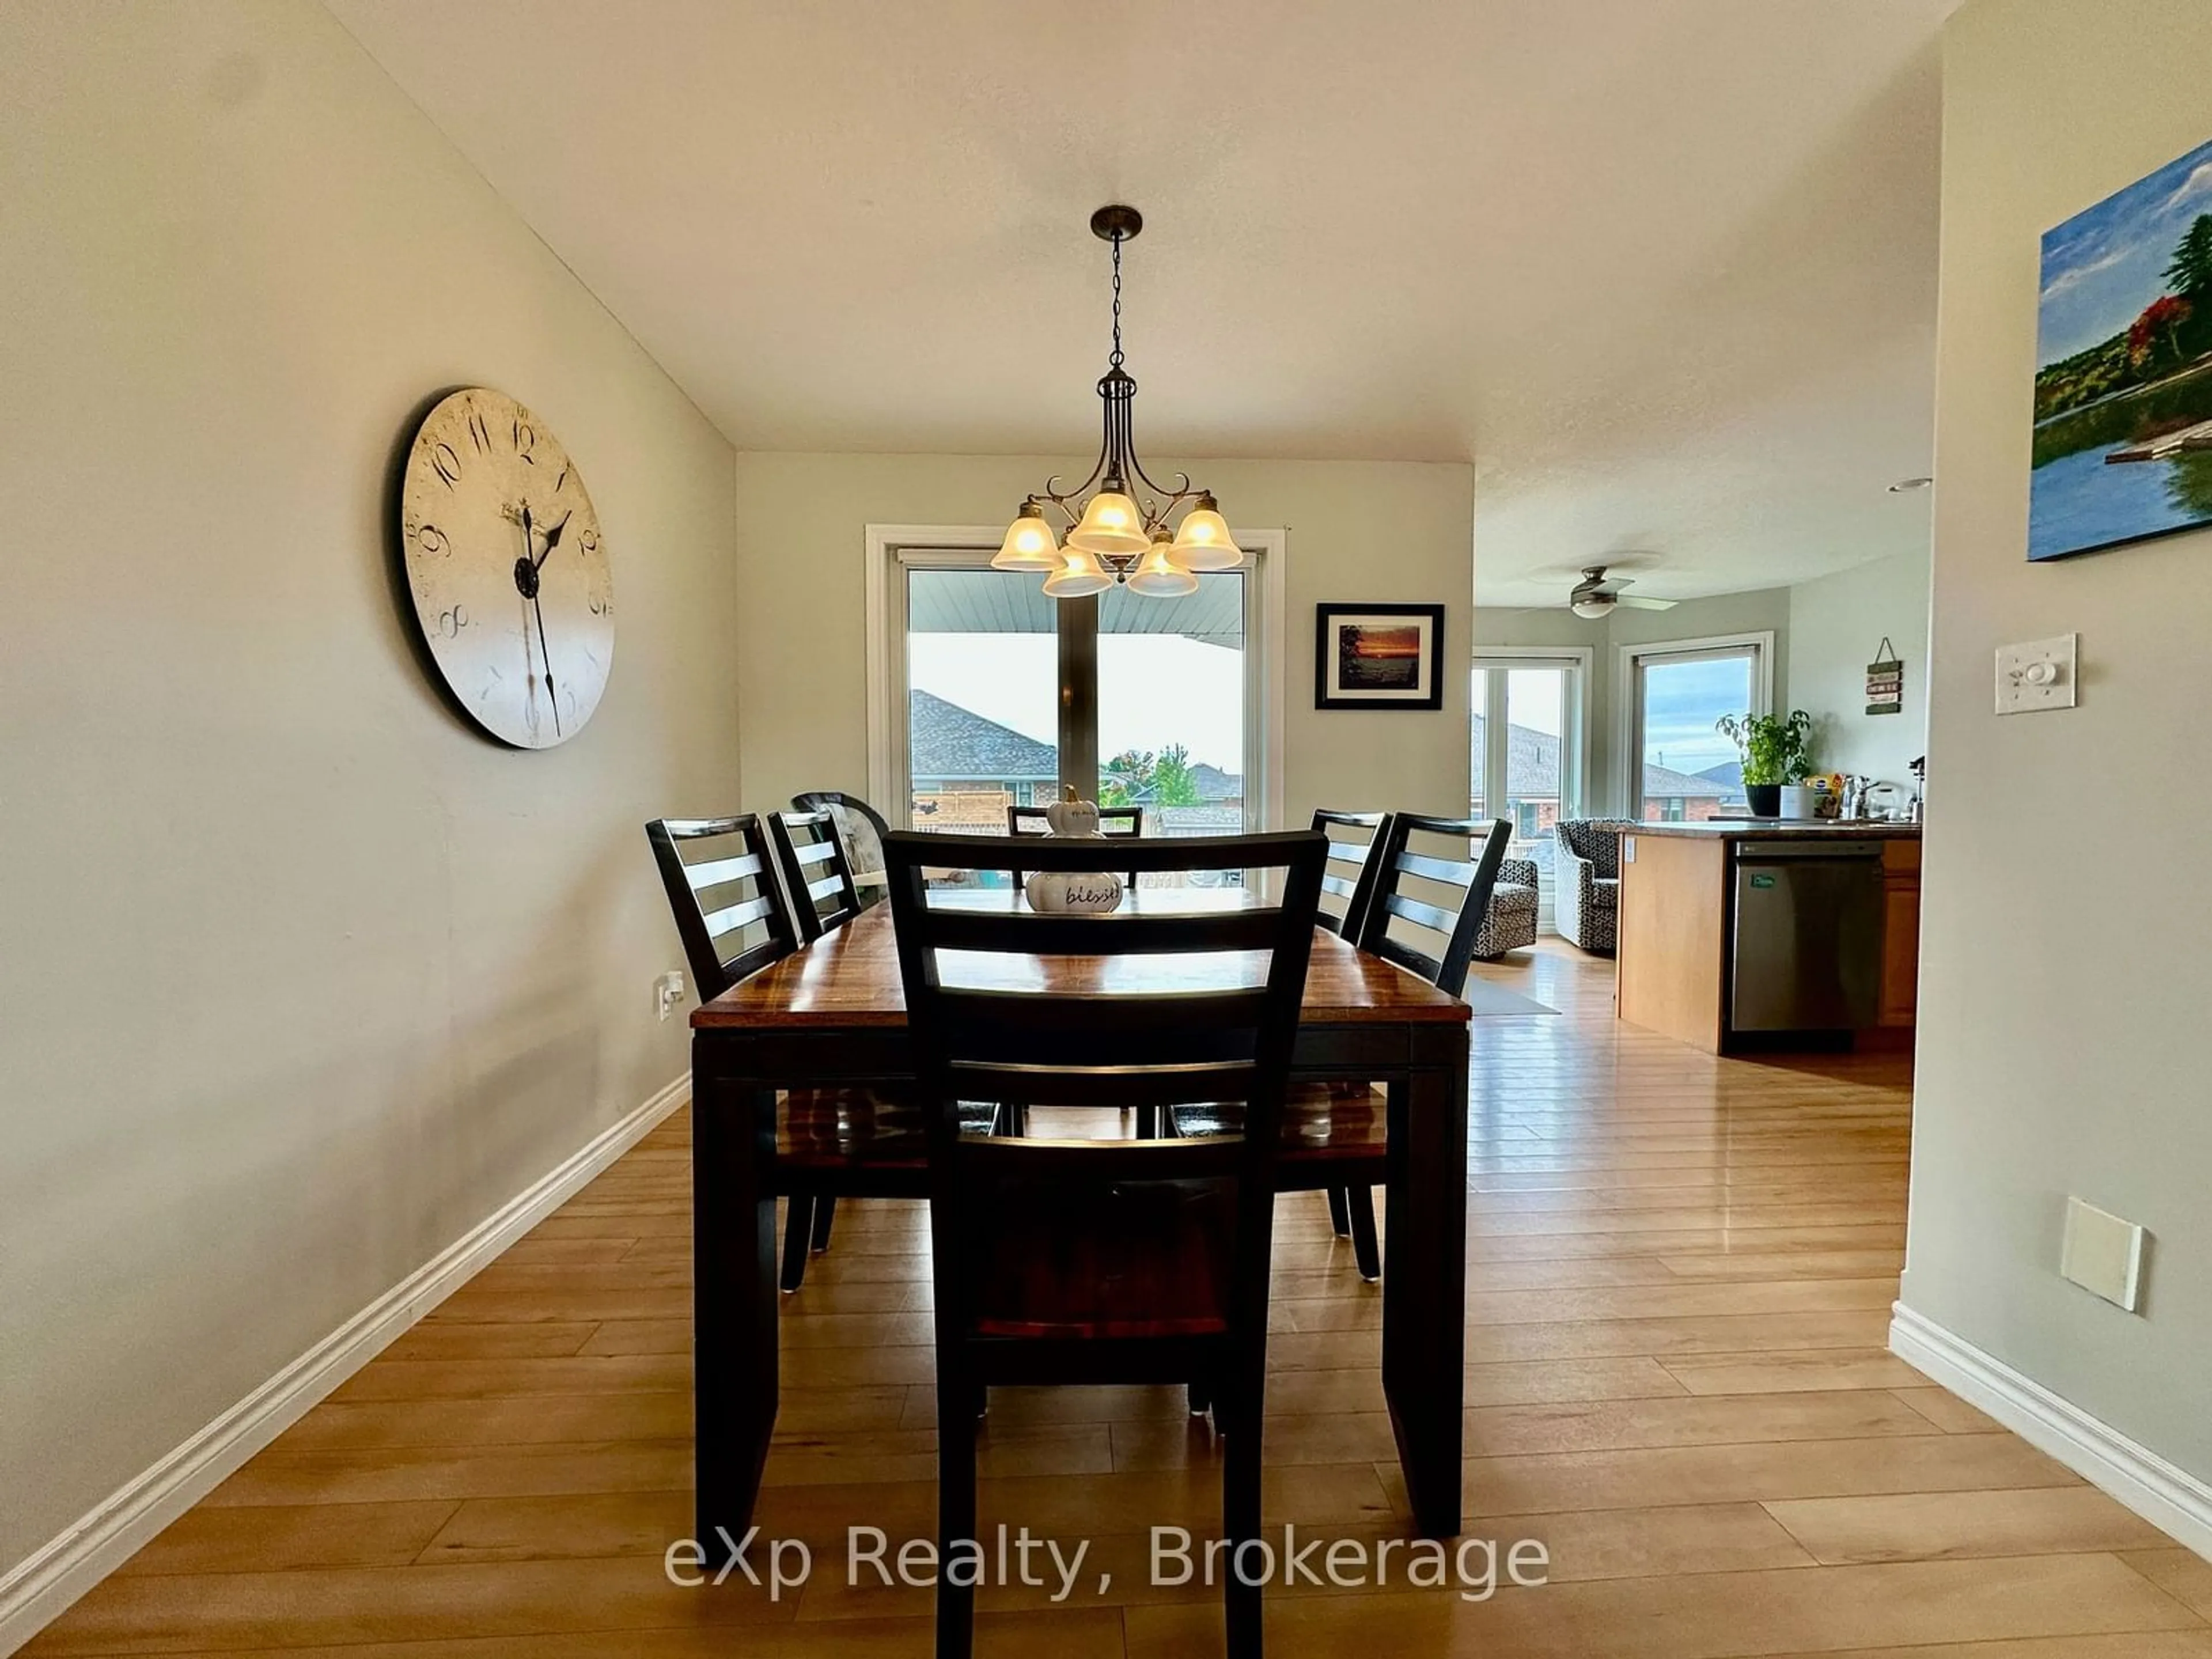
546, 657
553, 536
526, 568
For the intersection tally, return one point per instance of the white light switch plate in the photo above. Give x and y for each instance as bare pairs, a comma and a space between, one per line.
2102, 1253
2037, 675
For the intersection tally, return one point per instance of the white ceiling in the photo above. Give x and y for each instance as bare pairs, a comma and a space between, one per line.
1664, 270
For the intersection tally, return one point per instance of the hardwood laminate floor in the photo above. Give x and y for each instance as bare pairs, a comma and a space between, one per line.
1680, 1273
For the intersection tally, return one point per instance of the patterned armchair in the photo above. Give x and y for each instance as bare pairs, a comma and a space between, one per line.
1586, 867
1511, 921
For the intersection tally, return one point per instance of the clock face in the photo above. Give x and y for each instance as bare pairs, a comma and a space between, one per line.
508, 570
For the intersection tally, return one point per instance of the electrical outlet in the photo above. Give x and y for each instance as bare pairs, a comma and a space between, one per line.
2038, 675
668, 993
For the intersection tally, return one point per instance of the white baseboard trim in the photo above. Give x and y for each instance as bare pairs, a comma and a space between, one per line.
37, 1590
2171, 1499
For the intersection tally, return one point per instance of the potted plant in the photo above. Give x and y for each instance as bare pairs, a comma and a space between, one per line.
1776, 750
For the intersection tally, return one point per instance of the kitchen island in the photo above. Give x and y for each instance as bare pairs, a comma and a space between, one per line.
1740, 933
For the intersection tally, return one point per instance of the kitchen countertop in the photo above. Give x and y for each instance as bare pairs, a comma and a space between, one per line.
1777, 829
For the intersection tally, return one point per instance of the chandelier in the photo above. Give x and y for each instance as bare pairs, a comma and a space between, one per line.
1111, 538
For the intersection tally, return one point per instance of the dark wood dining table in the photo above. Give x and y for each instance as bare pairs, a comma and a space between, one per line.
833, 1014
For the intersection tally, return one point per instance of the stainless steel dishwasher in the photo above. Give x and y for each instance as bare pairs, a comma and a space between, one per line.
1806, 951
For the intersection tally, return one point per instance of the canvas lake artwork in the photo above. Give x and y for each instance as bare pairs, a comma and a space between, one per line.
2123, 437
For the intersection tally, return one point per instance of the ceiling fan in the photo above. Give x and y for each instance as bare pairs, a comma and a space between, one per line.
1596, 596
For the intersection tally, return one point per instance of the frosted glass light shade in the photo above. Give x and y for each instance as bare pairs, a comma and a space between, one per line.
1079, 573
1204, 542
1111, 524
1029, 545
1158, 576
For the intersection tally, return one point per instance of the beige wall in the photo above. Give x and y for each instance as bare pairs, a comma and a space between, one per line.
1835, 625
2064, 975
303, 980
1764, 609
1356, 531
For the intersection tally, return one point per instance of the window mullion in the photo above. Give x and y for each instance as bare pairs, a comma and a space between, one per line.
1078, 695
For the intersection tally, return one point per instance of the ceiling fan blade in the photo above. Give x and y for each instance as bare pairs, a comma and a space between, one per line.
1630, 604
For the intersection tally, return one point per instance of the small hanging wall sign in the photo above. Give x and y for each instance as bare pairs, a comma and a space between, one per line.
1885, 681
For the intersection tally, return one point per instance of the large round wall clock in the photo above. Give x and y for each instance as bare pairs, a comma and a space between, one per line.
508, 573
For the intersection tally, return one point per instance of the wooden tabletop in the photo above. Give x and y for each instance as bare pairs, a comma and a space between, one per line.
850, 977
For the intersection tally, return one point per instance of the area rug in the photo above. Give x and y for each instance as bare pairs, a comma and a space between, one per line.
1491, 1001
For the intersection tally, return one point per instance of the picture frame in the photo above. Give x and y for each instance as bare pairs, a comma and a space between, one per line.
1379, 656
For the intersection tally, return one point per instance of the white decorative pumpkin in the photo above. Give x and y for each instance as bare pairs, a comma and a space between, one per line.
1074, 820
1053, 892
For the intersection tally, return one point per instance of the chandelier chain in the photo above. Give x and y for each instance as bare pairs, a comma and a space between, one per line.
1115, 360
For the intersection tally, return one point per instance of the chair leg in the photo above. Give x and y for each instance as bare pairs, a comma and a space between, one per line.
825, 1209
1240, 1514
1364, 1247
797, 1224
1339, 1213
956, 1506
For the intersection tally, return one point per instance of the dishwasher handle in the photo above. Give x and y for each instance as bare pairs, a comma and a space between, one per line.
1799, 853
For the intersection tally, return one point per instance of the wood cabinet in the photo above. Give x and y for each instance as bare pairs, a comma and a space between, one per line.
1901, 936
1673, 948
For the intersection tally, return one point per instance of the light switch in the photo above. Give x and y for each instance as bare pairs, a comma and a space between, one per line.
2102, 1253
2037, 675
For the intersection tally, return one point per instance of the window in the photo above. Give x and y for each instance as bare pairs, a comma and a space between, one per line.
1170, 708
982, 706
984, 693
1679, 768
1526, 760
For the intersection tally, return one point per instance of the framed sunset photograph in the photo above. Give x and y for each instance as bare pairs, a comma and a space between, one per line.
2123, 447
1378, 656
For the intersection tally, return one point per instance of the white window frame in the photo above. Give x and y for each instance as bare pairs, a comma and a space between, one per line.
893, 548
1574, 742
1628, 696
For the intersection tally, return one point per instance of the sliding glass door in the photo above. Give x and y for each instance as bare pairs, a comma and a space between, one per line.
1680, 768
1527, 749
1010, 697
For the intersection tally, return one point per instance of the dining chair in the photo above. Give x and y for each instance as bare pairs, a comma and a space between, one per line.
1349, 878
815, 871
1064, 1260
1117, 822
828, 1141
860, 828
1335, 1135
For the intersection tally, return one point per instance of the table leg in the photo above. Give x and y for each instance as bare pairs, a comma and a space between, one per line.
733, 1300
1424, 1287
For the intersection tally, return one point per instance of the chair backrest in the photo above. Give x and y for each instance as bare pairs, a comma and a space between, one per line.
725, 893
1349, 878
1595, 841
857, 836
1046, 1016
1453, 929
815, 871
1119, 823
